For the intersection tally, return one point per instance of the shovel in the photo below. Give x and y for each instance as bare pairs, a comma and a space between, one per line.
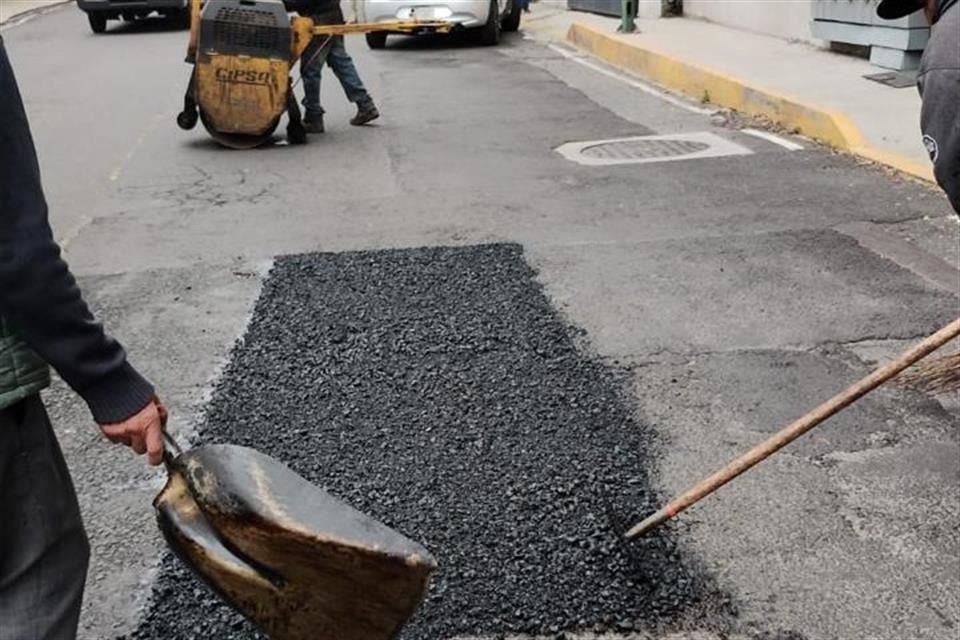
293, 559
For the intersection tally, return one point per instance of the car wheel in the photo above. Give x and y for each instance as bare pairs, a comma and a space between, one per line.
490, 32
98, 22
512, 22
182, 18
377, 39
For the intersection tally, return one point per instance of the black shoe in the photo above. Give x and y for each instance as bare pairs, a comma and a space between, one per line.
313, 123
366, 112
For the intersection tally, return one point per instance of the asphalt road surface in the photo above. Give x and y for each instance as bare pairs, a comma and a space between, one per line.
449, 322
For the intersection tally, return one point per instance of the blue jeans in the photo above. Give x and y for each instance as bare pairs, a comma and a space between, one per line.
334, 53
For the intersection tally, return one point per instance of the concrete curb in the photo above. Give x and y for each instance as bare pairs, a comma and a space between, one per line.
710, 85
14, 18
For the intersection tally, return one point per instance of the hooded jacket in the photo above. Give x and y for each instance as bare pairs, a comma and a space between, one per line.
939, 85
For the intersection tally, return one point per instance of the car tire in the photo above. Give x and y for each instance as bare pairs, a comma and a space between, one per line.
377, 39
182, 18
98, 22
512, 22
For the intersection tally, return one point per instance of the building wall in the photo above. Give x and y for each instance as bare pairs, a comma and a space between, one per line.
648, 8
787, 19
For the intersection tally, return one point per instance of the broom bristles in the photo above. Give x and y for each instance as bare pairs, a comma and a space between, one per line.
940, 375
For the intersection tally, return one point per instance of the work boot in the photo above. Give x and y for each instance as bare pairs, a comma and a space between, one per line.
366, 112
313, 123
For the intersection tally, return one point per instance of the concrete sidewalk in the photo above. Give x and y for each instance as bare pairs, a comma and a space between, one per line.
10, 9
804, 89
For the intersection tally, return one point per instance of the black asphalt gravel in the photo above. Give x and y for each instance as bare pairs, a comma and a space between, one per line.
438, 390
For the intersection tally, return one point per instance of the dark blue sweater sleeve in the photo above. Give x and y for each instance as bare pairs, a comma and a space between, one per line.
38, 294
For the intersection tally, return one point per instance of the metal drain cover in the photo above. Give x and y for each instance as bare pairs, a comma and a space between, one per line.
645, 149
641, 149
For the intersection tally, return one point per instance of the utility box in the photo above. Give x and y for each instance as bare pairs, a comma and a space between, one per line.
894, 44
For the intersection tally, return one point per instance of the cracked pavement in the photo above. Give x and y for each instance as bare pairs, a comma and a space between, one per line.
734, 291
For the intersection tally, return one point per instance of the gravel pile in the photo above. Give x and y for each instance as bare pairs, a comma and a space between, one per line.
438, 390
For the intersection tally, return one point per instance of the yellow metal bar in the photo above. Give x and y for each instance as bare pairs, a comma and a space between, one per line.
406, 26
195, 8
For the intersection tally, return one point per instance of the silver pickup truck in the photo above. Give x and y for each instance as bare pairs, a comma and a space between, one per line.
99, 11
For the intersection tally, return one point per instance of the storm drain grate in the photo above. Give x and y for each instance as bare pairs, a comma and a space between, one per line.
639, 149
644, 149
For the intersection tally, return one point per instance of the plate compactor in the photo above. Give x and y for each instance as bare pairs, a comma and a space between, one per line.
242, 52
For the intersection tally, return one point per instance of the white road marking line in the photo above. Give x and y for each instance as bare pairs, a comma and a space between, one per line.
117, 170
646, 88
775, 139
73, 232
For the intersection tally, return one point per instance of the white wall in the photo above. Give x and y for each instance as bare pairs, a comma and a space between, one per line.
648, 8
787, 19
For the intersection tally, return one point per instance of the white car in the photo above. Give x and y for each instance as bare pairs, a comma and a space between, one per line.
487, 17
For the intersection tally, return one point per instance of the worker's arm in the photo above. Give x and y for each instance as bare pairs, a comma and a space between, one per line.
940, 123
38, 294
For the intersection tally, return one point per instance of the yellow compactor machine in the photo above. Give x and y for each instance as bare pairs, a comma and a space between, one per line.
242, 52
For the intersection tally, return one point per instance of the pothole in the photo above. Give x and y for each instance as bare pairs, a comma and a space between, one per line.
646, 149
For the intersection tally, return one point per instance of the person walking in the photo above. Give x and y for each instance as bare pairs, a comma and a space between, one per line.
333, 51
938, 81
44, 322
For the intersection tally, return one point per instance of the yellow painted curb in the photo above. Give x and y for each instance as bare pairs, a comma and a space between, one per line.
720, 88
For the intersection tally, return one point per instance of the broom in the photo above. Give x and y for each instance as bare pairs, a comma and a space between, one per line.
941, 375
943, 371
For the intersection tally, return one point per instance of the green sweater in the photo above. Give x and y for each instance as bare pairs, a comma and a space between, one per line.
22, 372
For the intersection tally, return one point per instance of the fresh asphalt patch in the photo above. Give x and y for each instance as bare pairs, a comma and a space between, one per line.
438, 390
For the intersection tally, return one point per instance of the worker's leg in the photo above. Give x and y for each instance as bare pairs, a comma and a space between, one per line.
43, 548
311, 66
342, 66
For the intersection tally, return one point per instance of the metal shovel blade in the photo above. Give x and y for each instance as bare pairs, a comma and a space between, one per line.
296, 561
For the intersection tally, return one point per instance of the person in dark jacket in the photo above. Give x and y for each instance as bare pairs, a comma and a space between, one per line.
939, 84
333, 51
44, 321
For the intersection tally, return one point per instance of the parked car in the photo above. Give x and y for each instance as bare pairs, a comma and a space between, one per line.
488, 18
99, 11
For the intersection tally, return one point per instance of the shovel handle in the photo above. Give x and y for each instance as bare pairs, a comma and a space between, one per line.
171, 449
796, 429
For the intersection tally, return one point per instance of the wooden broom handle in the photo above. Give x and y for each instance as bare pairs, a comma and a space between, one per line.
796, 429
